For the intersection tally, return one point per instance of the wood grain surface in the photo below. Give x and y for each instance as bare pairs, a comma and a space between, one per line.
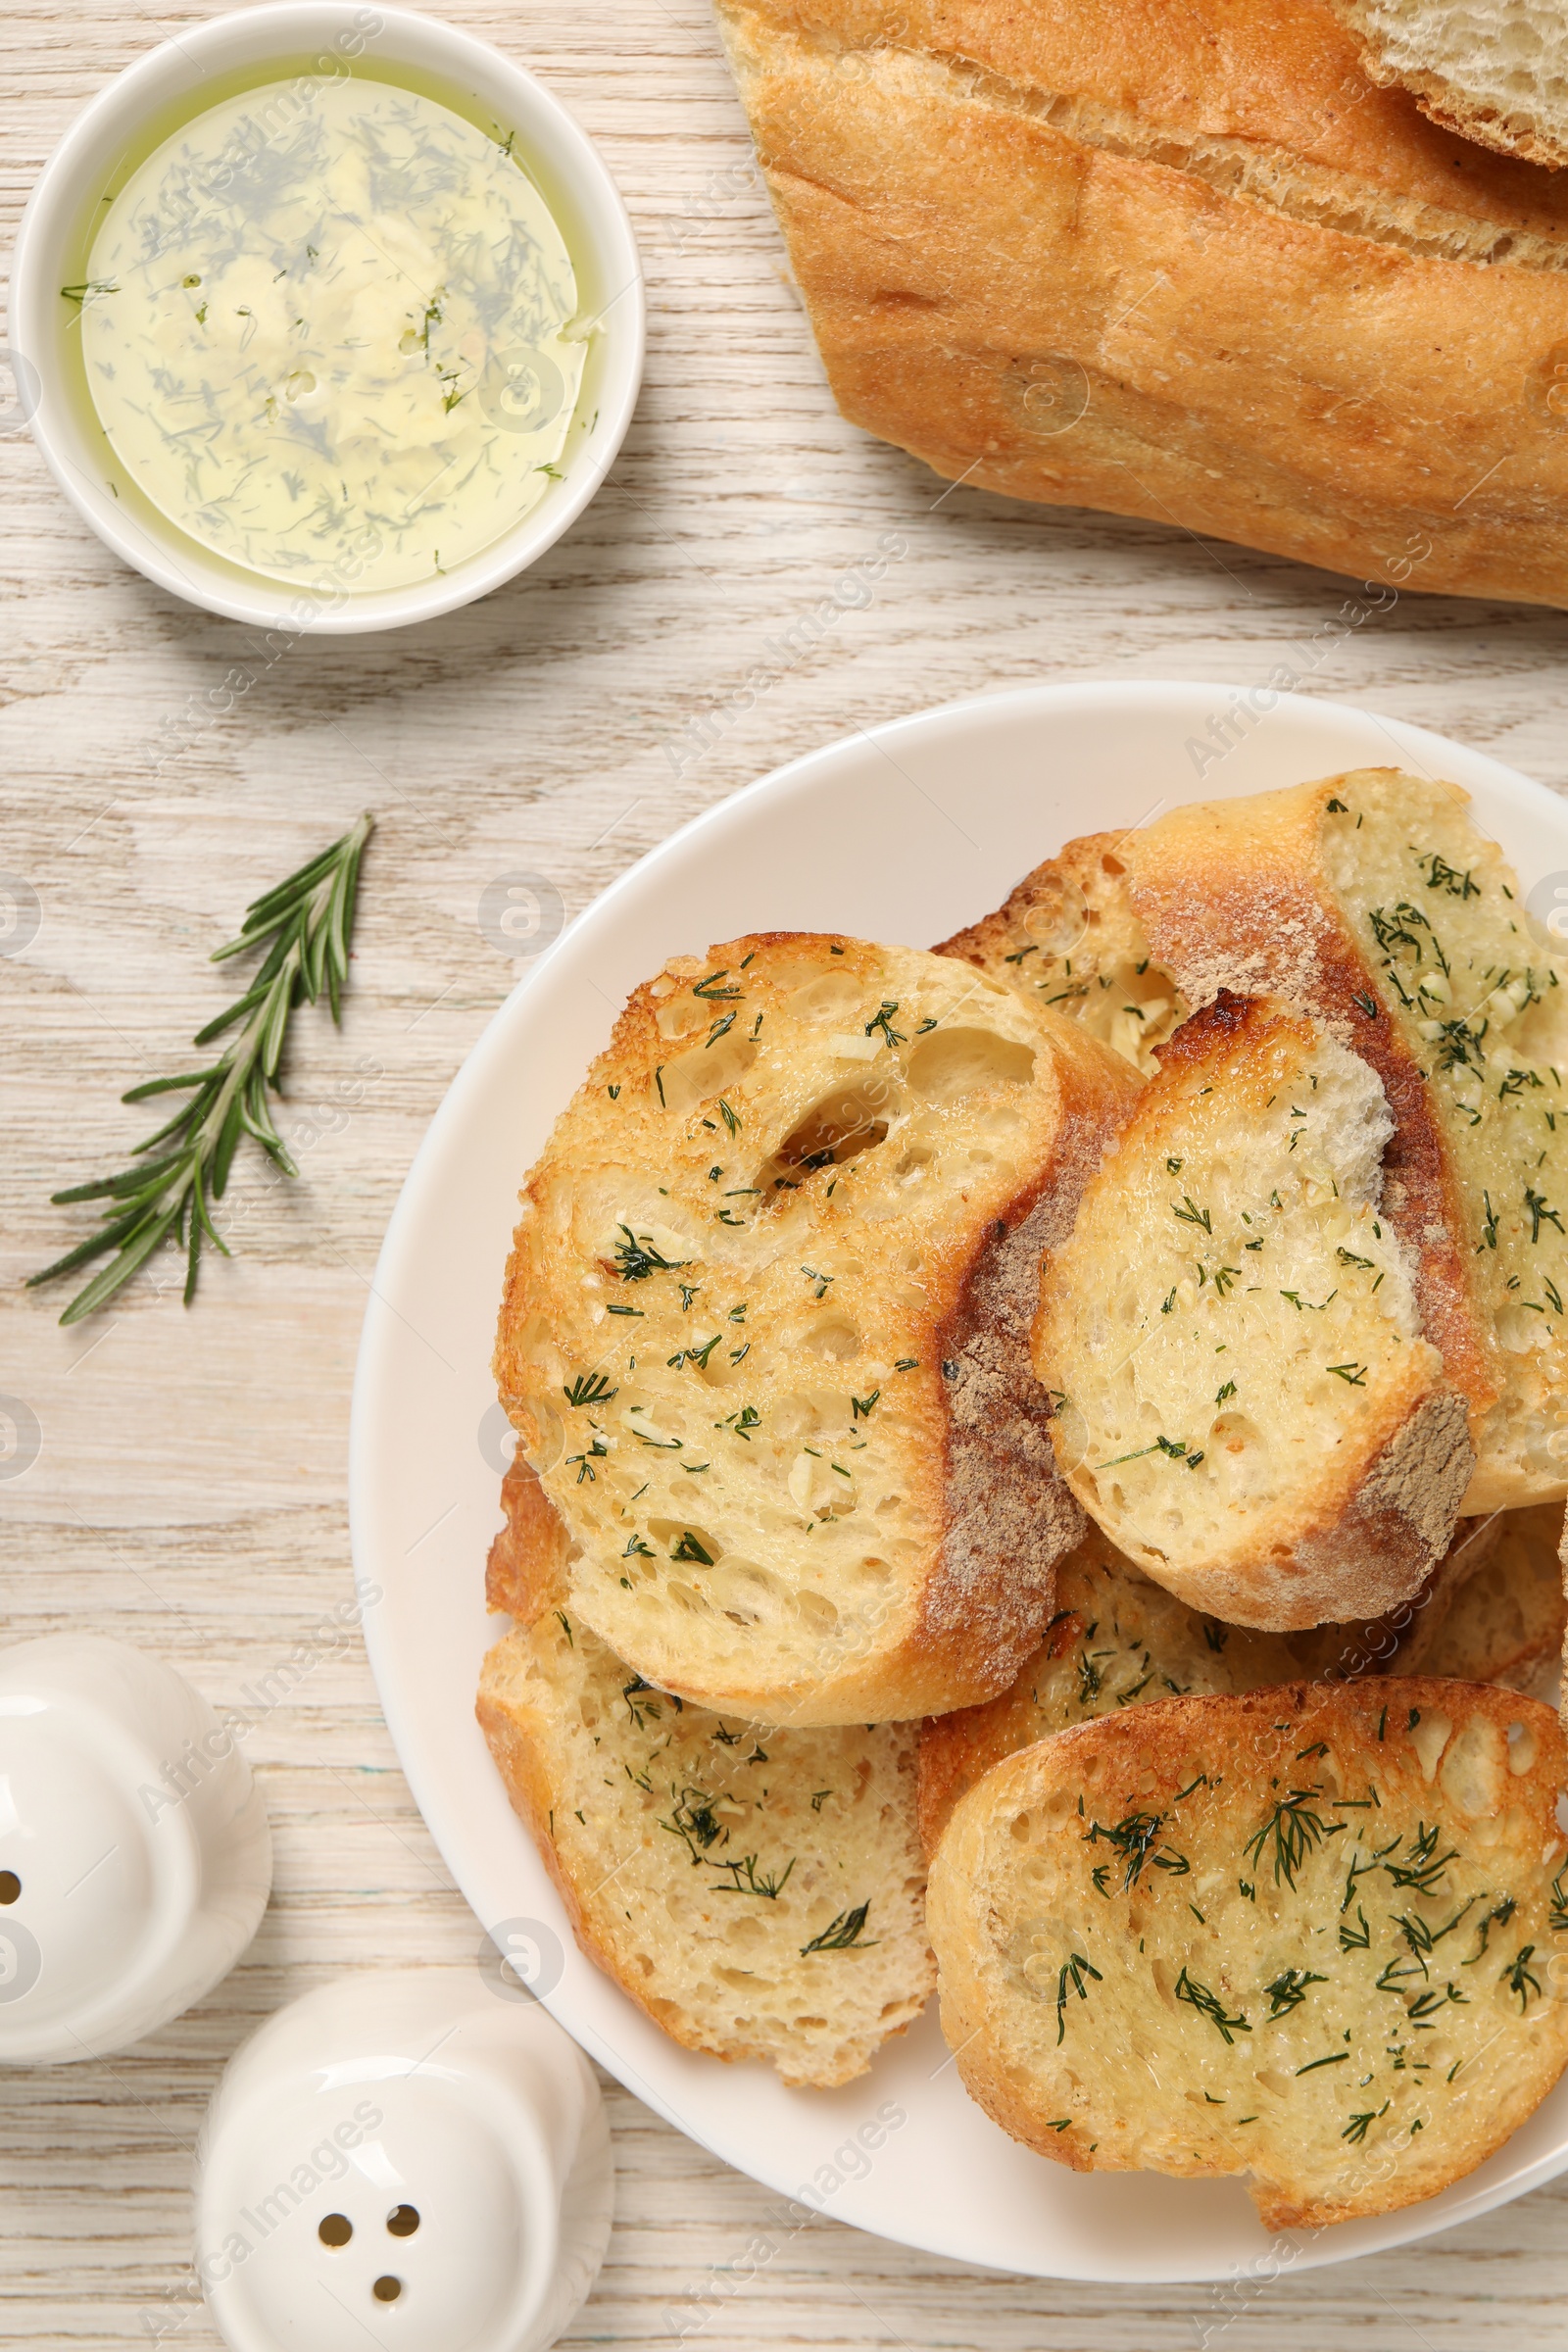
188, 1492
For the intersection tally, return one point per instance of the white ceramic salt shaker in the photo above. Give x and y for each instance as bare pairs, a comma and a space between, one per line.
135, 1859
407, 2158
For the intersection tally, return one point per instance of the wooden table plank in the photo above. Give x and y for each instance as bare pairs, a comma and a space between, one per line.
190, 1494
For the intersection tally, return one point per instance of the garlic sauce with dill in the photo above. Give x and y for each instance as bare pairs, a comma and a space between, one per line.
334, 334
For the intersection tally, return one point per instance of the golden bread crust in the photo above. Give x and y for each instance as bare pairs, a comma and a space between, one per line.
1313, 1933
527, 1571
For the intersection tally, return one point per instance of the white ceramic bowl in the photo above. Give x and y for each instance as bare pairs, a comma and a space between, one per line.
295, 37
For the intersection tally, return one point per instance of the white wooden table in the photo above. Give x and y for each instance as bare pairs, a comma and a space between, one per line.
189, 1493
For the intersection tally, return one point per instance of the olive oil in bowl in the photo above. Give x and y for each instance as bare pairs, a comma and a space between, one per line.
334, 336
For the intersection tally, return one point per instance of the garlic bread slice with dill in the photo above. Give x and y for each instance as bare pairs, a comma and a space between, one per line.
1246, 1403
1316, 1935
764, 1334
759, 1893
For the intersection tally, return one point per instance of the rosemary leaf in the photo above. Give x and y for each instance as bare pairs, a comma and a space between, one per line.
306, 925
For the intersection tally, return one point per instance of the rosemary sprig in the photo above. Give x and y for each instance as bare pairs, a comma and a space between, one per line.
306, 925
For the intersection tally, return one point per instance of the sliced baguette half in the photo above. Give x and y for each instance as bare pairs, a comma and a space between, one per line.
765, 1333
1117, 1641
1246, 1404
759, 1895
1371, 900
1067, 937
1495, 71
1316, 1935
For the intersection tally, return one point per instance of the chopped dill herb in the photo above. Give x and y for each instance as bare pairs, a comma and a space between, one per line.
1134, 1838
1289, 1989
1521, 1979
1351, 1939
1540, 1212
1073, 1970
840, 1932
636, 1258
1208, 2004
748, 1880
589, 1387
883, 1020
1291, 1832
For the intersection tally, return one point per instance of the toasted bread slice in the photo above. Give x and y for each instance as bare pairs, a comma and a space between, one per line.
1505, 1621
759, 1896
1314, 1934
1371, 900
1067, 937
1491, 1611
1495, 71
1250, 1409
1401, 1640
1117, 1641
765, 1325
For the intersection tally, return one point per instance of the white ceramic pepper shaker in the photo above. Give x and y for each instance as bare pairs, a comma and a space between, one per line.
135, 1860
407, 2158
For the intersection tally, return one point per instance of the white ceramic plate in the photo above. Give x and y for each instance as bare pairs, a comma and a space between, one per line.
901, 834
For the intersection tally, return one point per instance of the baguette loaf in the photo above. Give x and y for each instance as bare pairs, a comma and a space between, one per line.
759, 1896
1495, 71
1316, 1936
1189, 264
764, 1332
1371, 900
1247, 1405
1069, 938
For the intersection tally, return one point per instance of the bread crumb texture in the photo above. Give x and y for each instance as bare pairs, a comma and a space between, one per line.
1068, 938
1313, 1935
759, 1893
1495, 70
765, 1324
1245, 1403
